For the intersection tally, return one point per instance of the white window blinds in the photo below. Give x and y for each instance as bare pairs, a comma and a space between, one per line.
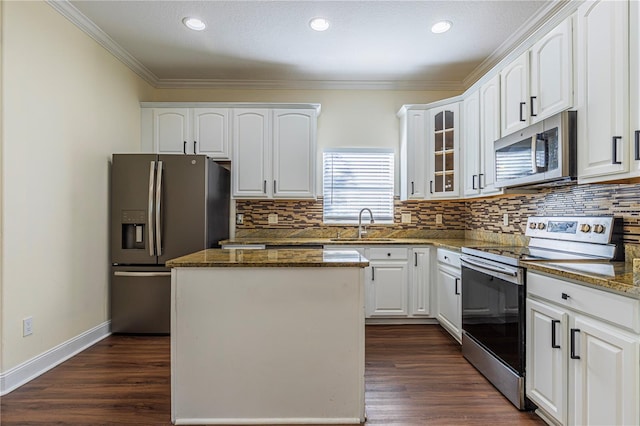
357, 178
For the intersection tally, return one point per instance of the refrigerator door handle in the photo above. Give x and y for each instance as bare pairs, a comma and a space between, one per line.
158, 209
141, 274
150, 232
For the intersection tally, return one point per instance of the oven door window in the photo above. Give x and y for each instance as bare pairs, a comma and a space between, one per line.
493, 315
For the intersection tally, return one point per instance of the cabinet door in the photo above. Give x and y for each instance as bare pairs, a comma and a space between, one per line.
443, 151
489, 133
449, 301
420, 283
294, 153
171, 130
634, 85
413, 155
551, 73
547, 354
211, 132
251, 153
514, 95
603, 95
471, 143
388, 289
605, 377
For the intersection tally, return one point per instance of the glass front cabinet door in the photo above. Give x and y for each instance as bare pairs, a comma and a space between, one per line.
444, 151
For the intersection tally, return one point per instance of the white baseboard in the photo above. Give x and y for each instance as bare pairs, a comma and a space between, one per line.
29, 370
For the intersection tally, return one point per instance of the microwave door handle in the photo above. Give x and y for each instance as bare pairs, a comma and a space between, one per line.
150, 231
541, 163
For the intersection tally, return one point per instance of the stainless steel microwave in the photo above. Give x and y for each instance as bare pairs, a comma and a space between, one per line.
543, 154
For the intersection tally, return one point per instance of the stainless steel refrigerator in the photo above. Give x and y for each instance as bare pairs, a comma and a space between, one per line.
162, 207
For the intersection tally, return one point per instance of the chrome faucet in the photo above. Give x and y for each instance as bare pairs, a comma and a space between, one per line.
362, 231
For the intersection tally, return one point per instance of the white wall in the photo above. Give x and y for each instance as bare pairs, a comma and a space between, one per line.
67, 104
349, 118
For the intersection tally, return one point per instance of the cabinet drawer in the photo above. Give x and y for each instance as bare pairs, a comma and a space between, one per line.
613, 308
449, 257
379, 253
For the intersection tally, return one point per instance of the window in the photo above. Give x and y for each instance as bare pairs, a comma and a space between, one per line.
357, 178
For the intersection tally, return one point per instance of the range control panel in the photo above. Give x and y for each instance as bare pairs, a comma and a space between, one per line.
587, 229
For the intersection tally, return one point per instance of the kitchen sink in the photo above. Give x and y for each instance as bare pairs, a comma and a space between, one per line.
364, 240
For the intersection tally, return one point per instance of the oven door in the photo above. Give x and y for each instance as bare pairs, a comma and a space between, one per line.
493, 300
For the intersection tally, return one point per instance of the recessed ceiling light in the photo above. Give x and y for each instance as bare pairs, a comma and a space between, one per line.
194, 24
319, 24
441, 27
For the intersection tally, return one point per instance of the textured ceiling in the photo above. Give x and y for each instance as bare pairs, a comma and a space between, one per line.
257, 41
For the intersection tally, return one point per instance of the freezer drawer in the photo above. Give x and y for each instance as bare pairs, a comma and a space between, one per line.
140, 300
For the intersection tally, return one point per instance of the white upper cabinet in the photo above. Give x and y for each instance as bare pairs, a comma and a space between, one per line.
274, 153
251, 163
489, 133
443, 132
471, 143
551, 75
514, 95
634, 86
294, 153
603, 90
186, 131
211, 132
539, 83
413, 155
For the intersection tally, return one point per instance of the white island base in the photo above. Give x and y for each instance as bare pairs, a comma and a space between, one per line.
267, 345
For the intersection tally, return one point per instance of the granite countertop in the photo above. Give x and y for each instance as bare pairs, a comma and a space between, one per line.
310, 258
449, 243
615, 277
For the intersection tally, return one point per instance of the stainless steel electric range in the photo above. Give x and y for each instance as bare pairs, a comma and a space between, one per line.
494, 292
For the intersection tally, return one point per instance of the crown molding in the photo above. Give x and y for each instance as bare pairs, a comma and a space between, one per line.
69, 11
409, 85
547, 17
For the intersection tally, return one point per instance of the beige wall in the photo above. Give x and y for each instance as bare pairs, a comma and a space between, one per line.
67, 105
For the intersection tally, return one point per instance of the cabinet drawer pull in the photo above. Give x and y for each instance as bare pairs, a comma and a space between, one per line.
532, 99
456, 290
554, 344
565, 296
184, 147
614, 150
637, 134
521, 113
573, 343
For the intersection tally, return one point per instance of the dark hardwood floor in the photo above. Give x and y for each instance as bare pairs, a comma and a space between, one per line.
415, 375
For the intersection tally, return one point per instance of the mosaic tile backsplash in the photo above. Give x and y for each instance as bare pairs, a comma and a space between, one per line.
478, 219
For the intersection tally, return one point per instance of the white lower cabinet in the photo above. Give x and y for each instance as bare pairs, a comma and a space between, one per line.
449, 292
582, 353
420, 282
388, 290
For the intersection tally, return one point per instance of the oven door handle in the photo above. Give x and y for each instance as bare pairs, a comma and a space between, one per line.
483, 266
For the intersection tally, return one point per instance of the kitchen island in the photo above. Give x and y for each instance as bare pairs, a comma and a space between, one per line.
267, 337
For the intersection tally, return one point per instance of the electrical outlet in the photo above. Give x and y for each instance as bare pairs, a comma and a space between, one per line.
505, 219
239, 219
273, 219
27, 326
406, 217
439, 219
